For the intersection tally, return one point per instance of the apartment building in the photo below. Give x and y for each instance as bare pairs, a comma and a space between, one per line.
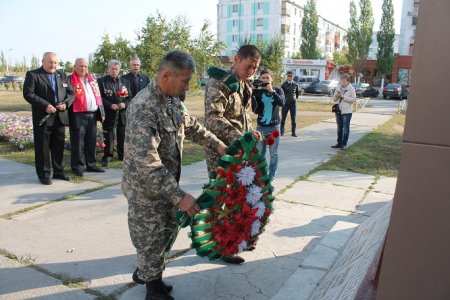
410, 11
262, 20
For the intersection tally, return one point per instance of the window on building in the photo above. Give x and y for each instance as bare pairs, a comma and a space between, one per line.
235, 23
235, 8
260, 5
259, 22
295, 11
234, 38
259, 37
293, 43
295, 28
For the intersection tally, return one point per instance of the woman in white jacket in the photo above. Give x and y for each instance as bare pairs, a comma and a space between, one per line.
345, 96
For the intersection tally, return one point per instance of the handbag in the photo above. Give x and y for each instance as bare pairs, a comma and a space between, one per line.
335, 108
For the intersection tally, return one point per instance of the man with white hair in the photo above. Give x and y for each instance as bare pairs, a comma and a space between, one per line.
50, 95
116, 96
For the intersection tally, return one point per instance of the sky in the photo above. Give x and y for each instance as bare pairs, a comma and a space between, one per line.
74, 28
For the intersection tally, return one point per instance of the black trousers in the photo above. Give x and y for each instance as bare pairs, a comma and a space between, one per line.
83, 141
108, 134
291, 107
49, 146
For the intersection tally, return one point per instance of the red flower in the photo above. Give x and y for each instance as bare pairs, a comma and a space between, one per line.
103, 145
275, 134
270, 141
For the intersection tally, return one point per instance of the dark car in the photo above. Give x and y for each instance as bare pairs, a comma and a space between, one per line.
305, 81
323, 87
365, 90
396, 90
11, 79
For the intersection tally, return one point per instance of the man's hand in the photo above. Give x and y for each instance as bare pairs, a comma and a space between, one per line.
121, 105
257, 135
61, 106
269, 88
221, 148
187, 204
114, 107
103, 119
50, 109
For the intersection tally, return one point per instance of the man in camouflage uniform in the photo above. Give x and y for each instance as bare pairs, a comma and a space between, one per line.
157, 125
227, 106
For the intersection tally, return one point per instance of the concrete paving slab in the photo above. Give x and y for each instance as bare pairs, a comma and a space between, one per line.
373, 202
20, 282
83, 237
386, 185
324, 195
355, 180
21, 188
338, 236
300, 285
110, 176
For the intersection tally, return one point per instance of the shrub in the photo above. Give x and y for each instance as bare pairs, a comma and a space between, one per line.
7, 86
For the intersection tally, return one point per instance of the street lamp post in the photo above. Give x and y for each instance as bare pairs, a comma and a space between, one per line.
7, 60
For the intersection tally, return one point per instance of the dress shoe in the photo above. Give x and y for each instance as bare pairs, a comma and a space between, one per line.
156, 291
233, 259
77, 173
168, 288
343, 147
95, 169
45, 181
294, 135
336, 146
61, 176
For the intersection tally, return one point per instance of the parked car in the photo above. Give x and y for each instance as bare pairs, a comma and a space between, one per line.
365, 90
305, 81
11, 79
395, 90
323, 87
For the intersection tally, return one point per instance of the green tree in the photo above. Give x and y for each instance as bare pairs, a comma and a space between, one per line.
34, 62
2, 62
340, 57
310, 30
121, 50
68, 67
359, 36
272, 57
385, 39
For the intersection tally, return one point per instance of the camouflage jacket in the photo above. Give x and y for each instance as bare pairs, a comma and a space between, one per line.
227, 105
154, 137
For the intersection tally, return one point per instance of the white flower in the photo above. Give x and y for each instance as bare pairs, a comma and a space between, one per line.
261, 209
253, 195
255, 228
246, 175
242, 245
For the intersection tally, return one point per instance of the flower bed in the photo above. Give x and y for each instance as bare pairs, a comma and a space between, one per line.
17, 130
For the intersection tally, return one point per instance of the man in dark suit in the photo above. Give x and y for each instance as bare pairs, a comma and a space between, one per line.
291, 93
116, 96
136, 78
50, 94
83, 119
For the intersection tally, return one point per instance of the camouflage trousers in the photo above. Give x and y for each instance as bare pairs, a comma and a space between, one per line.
147, 225
212, 158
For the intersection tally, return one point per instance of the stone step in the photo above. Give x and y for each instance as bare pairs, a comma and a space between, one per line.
305, 280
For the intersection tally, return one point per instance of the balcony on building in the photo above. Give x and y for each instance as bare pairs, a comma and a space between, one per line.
285, 28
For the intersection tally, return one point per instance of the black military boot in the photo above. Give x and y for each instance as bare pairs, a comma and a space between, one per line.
156, 291
233, 259
136, 279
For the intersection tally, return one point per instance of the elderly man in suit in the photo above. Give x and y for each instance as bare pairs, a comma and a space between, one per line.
87, 107
50, 95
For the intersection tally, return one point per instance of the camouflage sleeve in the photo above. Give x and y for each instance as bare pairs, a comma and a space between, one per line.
144, 168
198, 134
216, 103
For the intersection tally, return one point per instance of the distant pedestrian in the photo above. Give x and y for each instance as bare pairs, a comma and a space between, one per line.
135, 77
291, 93
49, 92
116, 96
266, 102
345, 96
87, 107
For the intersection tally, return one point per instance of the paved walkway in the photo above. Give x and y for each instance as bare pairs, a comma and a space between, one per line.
77, 232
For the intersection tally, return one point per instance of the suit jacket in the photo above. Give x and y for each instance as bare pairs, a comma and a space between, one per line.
77, 118
108, 91
143, 82
37, 91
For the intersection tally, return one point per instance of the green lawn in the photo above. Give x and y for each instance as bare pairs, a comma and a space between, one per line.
377, 153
